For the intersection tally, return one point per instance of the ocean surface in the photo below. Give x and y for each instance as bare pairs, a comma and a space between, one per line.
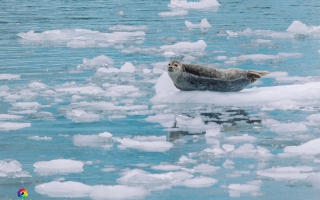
88, 111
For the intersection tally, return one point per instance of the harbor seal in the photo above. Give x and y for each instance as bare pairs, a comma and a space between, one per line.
190, 77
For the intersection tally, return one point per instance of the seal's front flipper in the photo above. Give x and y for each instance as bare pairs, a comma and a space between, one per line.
255, 75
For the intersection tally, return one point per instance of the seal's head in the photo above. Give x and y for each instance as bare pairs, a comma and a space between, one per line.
174, 69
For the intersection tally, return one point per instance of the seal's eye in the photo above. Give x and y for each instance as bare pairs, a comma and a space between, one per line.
176, 65
169, 64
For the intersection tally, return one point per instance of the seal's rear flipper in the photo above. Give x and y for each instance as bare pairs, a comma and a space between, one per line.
255, 75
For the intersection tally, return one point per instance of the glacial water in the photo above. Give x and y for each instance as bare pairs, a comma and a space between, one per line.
84, 113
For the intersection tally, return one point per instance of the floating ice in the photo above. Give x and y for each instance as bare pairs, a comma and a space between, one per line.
78, 38
287, 173
235, 190
312, 147
166, 120
39, 138
283, 77
71, 189
192, 125
82, 116
296, 30
229, 164
243, 138
102, 140
200, 5
261, 57
10, 168
212, 132
26, 105
313, 117
205, 169
128, 28
199, 182
95, 62
121, 13
146, 144
127, 67
166, 167
185, 47
58, 166
87, 89
249, 151
37, 85
9, 117
109, 169
102, 71
255, 96
8, 126
153, 181
173, 13
9, 77
204, 25
288, 127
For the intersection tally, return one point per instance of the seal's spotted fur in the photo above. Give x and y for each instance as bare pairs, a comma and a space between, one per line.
196, 77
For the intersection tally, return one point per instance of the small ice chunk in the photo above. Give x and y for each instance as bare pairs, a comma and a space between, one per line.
121, 13
166, 120
199, 182
288, 127
102, 140
206, 168
146, 71
229, 164
9, 117
173, 13
197, 5
228, 147
99, 61
313, 117
146, 145
243, 138
109, 169
127, 67
287, 173
58, 166
26, 105
39, 138
82, 116
166, 167
319, 51
37, 85
8, 126
185, 47
235, 190
312, 148
10, 168
128, 28
9, 77
118, 192
212, 132
297, 27
204, 25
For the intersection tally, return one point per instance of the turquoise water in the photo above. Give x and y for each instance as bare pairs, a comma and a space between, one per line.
58, 64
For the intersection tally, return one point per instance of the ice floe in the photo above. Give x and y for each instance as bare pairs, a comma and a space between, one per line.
10, 168
8, 126
251, 187
204, 25
71, 189
79, 38
199, 182
39, 138
205, 169
298, 93
173, 13
197, 5
96, 62
58, 166
127, 67
138, 177
297, 29
101, 140
166, 167
150, 143
312, 148
287, 173
128, 28
185, 47
9, 77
